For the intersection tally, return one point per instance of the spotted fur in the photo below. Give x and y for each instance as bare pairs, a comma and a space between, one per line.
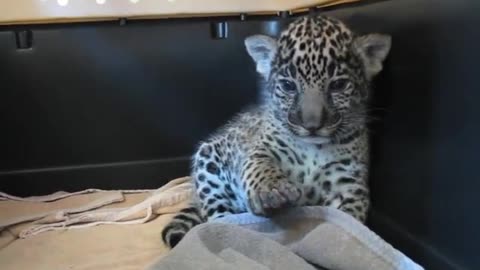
306, 144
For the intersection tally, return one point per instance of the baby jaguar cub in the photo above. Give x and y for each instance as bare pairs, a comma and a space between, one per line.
306, 144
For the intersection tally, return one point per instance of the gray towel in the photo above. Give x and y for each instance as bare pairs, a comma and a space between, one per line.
304, 238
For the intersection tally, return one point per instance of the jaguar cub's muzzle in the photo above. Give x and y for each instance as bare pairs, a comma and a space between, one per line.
310, 117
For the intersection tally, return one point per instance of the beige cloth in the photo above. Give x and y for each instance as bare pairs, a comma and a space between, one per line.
108, 247
45, 11
51, 242
76, 210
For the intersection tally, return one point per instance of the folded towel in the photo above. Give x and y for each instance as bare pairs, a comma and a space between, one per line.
300, 238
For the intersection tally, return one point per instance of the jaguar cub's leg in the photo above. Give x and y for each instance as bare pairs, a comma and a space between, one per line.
346, 181
215, 195
214, 188
266, 186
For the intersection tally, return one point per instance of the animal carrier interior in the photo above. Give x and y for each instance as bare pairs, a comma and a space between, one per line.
116, 95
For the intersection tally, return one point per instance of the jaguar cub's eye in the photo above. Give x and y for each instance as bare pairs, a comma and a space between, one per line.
288, 86
338, 85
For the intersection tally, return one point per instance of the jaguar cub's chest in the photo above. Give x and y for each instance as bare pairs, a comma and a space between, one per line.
303, 164
311, 167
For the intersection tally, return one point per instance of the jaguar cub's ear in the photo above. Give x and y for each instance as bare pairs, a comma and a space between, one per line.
262, 49
372, 50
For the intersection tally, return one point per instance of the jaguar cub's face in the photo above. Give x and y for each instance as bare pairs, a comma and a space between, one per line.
317, 75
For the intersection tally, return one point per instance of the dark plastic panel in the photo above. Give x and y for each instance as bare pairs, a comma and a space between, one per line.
122, 106
110, 94
104, 93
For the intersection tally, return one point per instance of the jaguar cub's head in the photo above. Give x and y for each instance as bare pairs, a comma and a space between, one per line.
318, 74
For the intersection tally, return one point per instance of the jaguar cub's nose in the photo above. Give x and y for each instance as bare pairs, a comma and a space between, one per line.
314, 122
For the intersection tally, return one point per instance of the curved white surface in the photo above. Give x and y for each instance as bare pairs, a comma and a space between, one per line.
47, 11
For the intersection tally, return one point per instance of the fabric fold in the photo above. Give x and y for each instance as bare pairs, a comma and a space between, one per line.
93, 212
300, 238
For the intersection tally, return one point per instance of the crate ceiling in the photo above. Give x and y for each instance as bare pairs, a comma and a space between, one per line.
49, 11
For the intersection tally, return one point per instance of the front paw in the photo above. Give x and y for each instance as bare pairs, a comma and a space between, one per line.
272, 195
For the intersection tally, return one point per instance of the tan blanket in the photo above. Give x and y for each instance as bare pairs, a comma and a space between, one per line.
36, 231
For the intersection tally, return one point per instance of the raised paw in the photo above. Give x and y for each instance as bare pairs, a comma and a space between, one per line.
273, 195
